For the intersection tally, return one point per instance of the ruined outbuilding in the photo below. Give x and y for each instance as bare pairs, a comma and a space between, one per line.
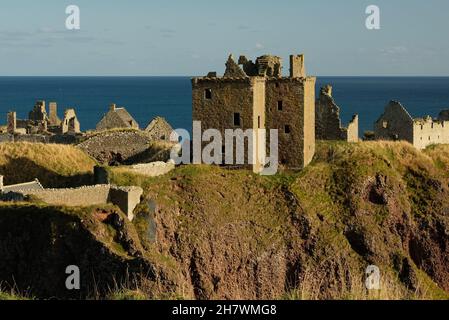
117, 118
159, 129
41, 122
255, 95
327, 119
397, 124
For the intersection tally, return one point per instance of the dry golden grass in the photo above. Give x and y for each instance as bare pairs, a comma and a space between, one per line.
24, 161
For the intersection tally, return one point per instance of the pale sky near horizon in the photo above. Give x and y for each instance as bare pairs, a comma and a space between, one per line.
180, 37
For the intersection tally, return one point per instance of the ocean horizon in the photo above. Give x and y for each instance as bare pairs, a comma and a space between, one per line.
146, 97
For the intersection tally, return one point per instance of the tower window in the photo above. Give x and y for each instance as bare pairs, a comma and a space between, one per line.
280, 105
208, 94
237, 119
258, 122
287, 129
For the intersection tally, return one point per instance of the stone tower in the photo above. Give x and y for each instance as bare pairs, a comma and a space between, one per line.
53, 114
12, 122
257, 96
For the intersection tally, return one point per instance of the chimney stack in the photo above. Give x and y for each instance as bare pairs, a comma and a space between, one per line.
297, 68
112, 107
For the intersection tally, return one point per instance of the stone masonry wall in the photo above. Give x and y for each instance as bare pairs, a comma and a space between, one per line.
84, 196
228, 96
116, 147
352, 133
394, 124
427, 132
126, 198
328, 123
290, 93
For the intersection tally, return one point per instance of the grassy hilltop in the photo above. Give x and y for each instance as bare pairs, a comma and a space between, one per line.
207, 232
54, 165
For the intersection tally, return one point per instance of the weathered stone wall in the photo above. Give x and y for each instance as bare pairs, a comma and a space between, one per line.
309, 120
394, 124
228, 96
116, 147
290, 92
84, 196
6, 137
328, 123
126, 198
427, 132
352, 133
159, 129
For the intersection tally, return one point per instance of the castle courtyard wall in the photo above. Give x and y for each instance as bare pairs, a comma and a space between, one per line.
427, 132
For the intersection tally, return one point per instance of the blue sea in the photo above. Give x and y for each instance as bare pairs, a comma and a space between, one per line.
170, 97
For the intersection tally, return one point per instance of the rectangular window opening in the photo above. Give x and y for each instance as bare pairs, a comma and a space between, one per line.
280, 105
208, 94
287, 129
237, 119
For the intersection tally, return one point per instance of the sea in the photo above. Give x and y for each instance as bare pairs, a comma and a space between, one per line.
170, 97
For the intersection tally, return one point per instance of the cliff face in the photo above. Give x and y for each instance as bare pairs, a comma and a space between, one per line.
205, 232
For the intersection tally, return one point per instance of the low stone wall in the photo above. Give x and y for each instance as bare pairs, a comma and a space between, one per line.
152, 169
126, 198
84, 196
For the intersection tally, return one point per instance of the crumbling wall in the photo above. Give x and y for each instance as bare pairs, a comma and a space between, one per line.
428, 131
159, 129
118, 147
394, 124
70, 123
297, 67
328, 123
352, 133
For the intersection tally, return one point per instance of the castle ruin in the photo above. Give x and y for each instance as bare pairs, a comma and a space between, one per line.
397, 124
328, 123
41, 122
255, 95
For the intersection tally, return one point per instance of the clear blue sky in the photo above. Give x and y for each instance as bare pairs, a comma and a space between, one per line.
181, 37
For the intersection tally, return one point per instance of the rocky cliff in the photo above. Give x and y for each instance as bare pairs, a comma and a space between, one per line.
205, 232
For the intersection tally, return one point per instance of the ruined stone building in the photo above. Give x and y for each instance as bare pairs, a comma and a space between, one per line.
397, 124
41, 122
159, 129
117, 118
253, 95
327, 120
